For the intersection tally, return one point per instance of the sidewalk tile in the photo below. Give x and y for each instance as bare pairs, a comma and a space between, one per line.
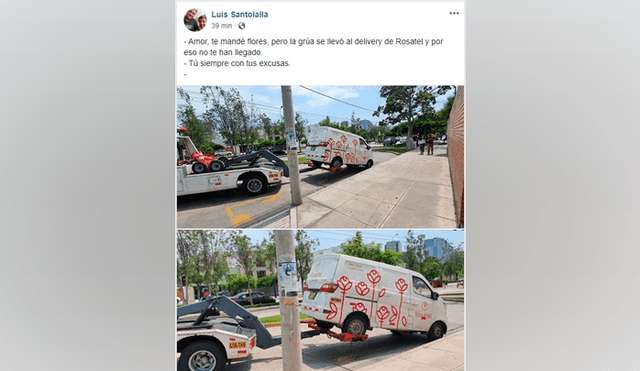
401, 217
310, 212
335, 219
331, 197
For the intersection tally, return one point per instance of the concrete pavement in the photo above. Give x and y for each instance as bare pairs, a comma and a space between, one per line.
408, 191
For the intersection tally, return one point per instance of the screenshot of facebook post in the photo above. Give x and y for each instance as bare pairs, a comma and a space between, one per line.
320, 115
320, 185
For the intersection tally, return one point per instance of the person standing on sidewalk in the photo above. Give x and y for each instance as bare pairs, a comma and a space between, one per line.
421, 142
430, 141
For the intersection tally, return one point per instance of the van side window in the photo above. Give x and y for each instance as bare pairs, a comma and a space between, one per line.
362, 142
420, 287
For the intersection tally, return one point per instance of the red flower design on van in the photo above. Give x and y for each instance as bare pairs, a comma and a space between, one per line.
334, 311
327, 153
394, 315
339, 144
382, 314
404, 321
355, 142
362, 288
382, 293
344, 283
401, 285
358, 307
343, 138
373, 276
331, 142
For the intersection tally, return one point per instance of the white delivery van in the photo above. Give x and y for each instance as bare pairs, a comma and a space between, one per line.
359, 294
334, 147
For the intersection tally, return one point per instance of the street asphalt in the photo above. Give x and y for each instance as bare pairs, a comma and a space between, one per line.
408, 191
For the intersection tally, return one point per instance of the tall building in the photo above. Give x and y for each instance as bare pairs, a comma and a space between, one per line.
393, 245
436, 247
365, 124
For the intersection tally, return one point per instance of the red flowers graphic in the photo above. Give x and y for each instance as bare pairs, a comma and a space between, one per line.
355, 142
339, 144
382, 293
373, 276
362, 288
402, 286
382, 314
331, 142
343, 138
344, 284
334, 311
358, 307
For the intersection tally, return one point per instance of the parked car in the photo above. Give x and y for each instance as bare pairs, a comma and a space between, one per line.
258, 298
223, 153
277, 151
224, 293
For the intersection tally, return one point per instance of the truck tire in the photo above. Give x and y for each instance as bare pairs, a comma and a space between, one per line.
223, 159
216, 165
254, 184
325, 325
202, 356
369, 164
198, 168
436, 331
355, 324
336, 162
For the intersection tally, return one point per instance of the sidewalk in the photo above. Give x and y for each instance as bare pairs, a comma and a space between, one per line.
408, 191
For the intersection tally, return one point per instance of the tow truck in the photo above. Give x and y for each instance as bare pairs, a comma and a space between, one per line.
253, 172
208, 341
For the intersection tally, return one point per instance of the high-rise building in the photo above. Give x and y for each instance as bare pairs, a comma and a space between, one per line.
436, 247
393, 245
365, 124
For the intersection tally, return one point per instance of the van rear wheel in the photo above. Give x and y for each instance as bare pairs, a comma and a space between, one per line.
336, 162
355, 324
369, 164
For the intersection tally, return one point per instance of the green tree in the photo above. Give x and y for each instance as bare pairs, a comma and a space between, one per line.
239, 282
241, 249
300, 123
406, 103
267, 126
372, 251
229, 111
304, 254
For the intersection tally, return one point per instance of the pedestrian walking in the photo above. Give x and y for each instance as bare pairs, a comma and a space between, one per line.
430, 141
421, 142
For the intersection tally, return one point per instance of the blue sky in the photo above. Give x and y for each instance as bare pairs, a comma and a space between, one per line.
331, 238
312, 106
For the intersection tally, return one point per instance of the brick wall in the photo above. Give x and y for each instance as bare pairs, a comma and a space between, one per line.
455, 137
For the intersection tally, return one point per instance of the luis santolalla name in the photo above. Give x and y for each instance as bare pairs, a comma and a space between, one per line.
259, 14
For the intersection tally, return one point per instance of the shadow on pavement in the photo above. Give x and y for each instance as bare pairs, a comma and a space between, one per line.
365, 353
208, 199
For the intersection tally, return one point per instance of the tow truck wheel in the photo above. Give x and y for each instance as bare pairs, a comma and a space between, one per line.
198, 168
355, 324
202, 356
436, 331
324, 325
223, 159
369, 164
254, 185
216, 165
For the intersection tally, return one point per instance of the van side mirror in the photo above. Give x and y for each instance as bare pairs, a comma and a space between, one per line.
435, 296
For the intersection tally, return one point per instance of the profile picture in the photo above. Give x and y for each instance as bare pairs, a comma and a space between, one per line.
195, 20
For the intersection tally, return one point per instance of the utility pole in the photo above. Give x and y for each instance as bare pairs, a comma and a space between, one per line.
288, 297
292, 146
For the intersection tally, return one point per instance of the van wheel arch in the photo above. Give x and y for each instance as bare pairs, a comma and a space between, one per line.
356, 323
336, 162
437, 330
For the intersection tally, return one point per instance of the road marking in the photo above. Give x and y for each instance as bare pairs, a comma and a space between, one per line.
236, 220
